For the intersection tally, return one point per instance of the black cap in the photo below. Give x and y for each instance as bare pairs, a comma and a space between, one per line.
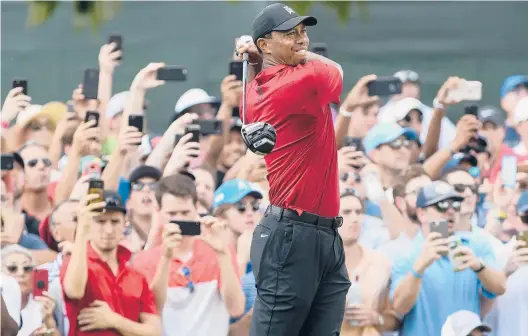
145, 171
491, 114
436, 192
113, 201
278, 17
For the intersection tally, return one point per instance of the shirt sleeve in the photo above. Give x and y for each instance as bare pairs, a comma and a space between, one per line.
148, 301
32, 242
328, 82
485, 251
399, 270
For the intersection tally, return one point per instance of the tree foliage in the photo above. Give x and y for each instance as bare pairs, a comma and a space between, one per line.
94, 13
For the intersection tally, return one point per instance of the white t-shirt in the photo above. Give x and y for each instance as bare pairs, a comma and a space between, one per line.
12, 296
31, 317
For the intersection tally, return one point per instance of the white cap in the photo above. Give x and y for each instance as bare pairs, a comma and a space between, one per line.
194, 97
521, 110
397, 111
407, 76
462, 323
116, 104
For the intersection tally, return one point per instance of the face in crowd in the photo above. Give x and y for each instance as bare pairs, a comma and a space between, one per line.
351, 209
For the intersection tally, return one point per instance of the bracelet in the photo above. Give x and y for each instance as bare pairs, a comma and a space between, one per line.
344, 112
437, 105
482, 267
415, 274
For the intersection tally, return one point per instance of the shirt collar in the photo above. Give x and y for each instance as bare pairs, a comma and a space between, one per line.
123, 254
266, 74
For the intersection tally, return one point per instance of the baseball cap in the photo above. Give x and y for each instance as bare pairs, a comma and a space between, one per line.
232, 191
278, 17
407, 76
462, 323
436, 192
510, 83
385, 133
521, 110
113, 201
116, 104
194, 97
145, 171
522, 203
53, 111
491, 114
399, 110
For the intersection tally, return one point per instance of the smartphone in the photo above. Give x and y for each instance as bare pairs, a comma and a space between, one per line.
195, 130
7, 162
441, 226
172, 73
96, 187
177, 139
23, 83
467, 90
92, 115
471, 110
118, 40
91, 83
509, 171
40, 282
354, 142
235, 68
188, 228
523, 236
209, 127
319, 49
385, 86
136, 121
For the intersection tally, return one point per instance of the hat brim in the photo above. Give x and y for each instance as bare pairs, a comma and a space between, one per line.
294, 22
116, 209
206, 100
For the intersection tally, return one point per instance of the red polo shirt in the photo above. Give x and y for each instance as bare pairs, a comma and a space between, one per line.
302, 169
127, 294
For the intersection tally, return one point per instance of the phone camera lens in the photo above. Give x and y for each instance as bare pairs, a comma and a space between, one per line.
40, 284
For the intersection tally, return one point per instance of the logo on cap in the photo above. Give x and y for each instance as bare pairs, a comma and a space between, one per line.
289, 10
486, 113
442, 188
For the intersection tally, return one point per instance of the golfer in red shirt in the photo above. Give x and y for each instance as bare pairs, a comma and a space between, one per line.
296, 253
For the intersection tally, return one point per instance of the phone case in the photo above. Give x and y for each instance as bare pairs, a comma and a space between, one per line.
40, 282
23, 83
509, 171
96, 187
7, 162
118, 40
195, 130
136, 121
385, 86
235, 68
172, 73
91, 83
209, 127
92, 115
440, 226
189, 228
467, 91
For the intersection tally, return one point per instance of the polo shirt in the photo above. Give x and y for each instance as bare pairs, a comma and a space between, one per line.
127, 294
302, 168
186, 313
443, 291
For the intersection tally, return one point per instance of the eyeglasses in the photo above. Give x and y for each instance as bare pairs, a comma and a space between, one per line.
36, 126
460, 188
33, 162
187, 274
444, 206
14, 268
397, 144
242, 207
138, 186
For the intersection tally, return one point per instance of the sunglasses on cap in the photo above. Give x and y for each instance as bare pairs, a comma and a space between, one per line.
242, 207
138, 186
34, 162
399, 143
460, 188
444, 206
14, 268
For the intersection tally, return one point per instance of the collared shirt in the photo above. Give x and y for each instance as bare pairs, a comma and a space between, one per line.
295, 100
127, 293
201, 311
443, 291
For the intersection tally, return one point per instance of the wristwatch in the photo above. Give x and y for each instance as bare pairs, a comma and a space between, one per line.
344, 112
482, 266
381, 320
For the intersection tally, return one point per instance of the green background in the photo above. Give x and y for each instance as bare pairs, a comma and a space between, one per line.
483, 41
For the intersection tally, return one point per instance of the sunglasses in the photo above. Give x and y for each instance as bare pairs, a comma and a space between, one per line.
397, 144
33, 162
14, 268
138, 186
524, 217
460, 188
444, 206
187, 274
35, 126
408, 118
242, 207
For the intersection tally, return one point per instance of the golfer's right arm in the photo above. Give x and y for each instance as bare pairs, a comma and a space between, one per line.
310, 56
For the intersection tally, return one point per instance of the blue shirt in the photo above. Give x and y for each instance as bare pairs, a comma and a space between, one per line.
511, 138
443, 290
32, 242
250, 292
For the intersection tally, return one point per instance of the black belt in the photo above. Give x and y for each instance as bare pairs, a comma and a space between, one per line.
305, 217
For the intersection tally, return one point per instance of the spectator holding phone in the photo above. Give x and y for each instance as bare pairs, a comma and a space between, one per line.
513, 89
194, 273
36, 311
102, 293
434, 281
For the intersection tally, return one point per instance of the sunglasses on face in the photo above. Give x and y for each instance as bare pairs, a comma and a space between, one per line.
36, 126
397, 144
408, 119
242, 207
444, 206
524, 217
187, 274
14, 268
34, 162
460, 188
138, 186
